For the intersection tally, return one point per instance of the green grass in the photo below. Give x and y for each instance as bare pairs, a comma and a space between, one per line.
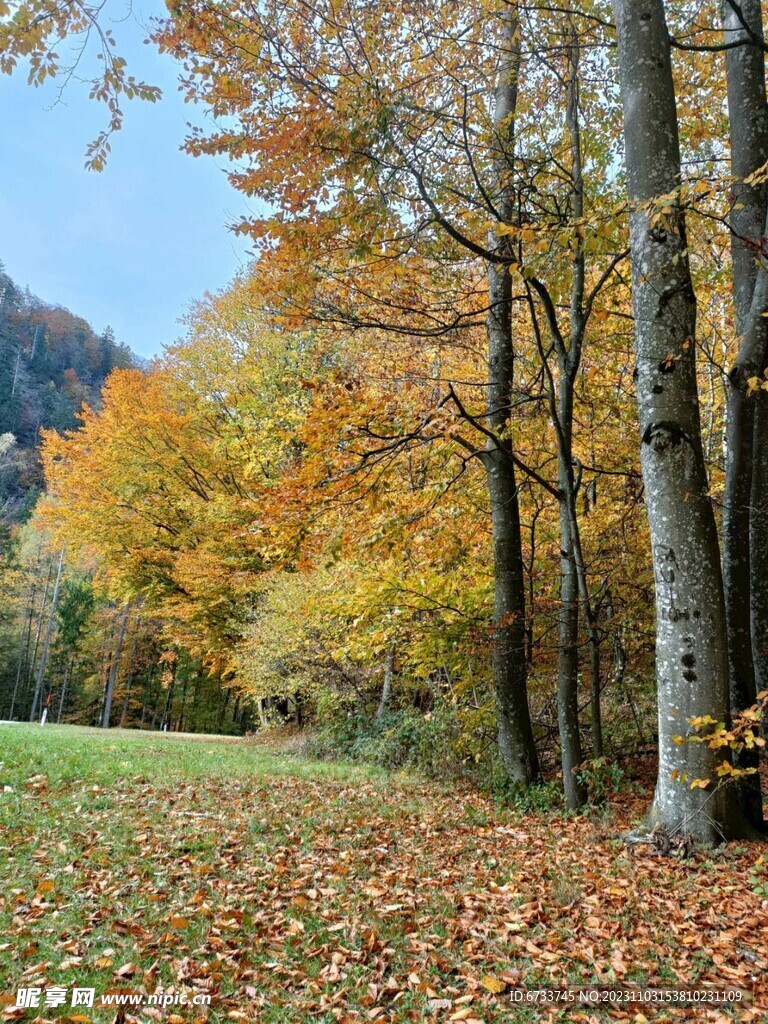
294, 891
106, 836
67, 753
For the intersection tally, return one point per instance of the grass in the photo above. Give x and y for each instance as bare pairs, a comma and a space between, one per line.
292, 891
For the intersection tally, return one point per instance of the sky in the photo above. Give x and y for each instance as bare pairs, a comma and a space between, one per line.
129, 247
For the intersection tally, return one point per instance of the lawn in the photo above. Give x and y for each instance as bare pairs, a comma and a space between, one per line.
292, 891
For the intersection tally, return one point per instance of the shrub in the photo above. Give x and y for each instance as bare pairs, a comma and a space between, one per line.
402, 739
603, 778
540, 798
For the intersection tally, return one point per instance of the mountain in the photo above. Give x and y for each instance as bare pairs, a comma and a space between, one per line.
51, 362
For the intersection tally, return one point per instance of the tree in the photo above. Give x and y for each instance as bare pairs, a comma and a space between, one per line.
516, 742
691, 655
114, 666
744, 513
33, 30
38, 693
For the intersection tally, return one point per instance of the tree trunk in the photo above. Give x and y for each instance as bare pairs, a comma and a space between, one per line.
165, 723
386, 692
748, 127
147, 696
39, 631
23, 651
105, 670
748, 123
47, 641
183, 712
510, 675
595, 695
113, 670
758, 530
223, 711
573, 578
691, 653
194, 716
571, 754
129, 683
63, 698
510, 671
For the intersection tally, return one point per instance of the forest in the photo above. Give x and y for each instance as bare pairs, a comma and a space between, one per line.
464, 479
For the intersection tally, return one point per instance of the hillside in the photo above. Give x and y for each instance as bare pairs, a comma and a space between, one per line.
51, 362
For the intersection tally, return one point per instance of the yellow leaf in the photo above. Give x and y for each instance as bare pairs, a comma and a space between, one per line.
494, 985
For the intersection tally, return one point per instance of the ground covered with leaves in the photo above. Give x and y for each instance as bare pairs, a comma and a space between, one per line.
292, 891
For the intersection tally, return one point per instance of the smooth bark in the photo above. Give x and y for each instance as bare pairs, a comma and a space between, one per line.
165, 723
691, 654
63, 698
748, 125
741, 523
758, 530
517, 748
571, 753
386, 691
129, 682
568, 348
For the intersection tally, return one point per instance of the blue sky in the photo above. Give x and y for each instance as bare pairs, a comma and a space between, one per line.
133, 245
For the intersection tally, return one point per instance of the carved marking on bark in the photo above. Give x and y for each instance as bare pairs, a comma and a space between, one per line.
663, 436
667, 563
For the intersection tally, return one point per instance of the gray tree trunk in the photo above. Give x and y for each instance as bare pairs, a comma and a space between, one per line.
63, 699
113, 670
147, 695
758, 534
165, 722
573, 575
23, 650
510, 671
571, 753
194, 714
223, 710
595, 698
568, 346
39, 629
386, 692
129, 683
748, 117
748, 123
47, 641
748, 127
691, 653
